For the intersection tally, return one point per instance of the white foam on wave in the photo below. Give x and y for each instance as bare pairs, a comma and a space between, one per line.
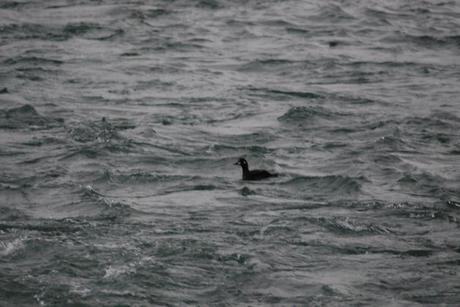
7, 248
117, 270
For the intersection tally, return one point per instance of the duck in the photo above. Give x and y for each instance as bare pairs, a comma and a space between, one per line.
257, 174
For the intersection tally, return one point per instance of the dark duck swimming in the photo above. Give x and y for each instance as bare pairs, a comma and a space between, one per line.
256, 174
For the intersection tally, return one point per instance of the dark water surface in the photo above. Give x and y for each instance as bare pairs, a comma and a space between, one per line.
120, 122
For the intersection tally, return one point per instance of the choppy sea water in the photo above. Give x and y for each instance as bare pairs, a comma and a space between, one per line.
120, 122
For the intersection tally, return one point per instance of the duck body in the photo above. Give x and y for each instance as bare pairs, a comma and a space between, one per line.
257, 174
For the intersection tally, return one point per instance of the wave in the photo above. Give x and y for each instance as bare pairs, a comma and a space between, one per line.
267, 65
346, 225
25, 116
439, 130
27, 31
138, 177
360, 250
445, 211
305, 115
337, 185
95, 138
437, 119
47, 226
424, 40
107, 208
32, 60
94, 131
10, 247
296, 94
430, 185
11, 4
12, 214
409, 133
435, 42
332, 13
209, 4
149, 13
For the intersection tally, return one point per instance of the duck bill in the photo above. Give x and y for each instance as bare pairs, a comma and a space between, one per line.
237, 163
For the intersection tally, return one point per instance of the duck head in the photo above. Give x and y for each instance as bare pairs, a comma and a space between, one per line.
242, 162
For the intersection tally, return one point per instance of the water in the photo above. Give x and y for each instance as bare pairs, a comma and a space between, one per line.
120, 122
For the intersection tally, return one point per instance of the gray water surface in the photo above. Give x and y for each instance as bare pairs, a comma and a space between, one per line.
120, 122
